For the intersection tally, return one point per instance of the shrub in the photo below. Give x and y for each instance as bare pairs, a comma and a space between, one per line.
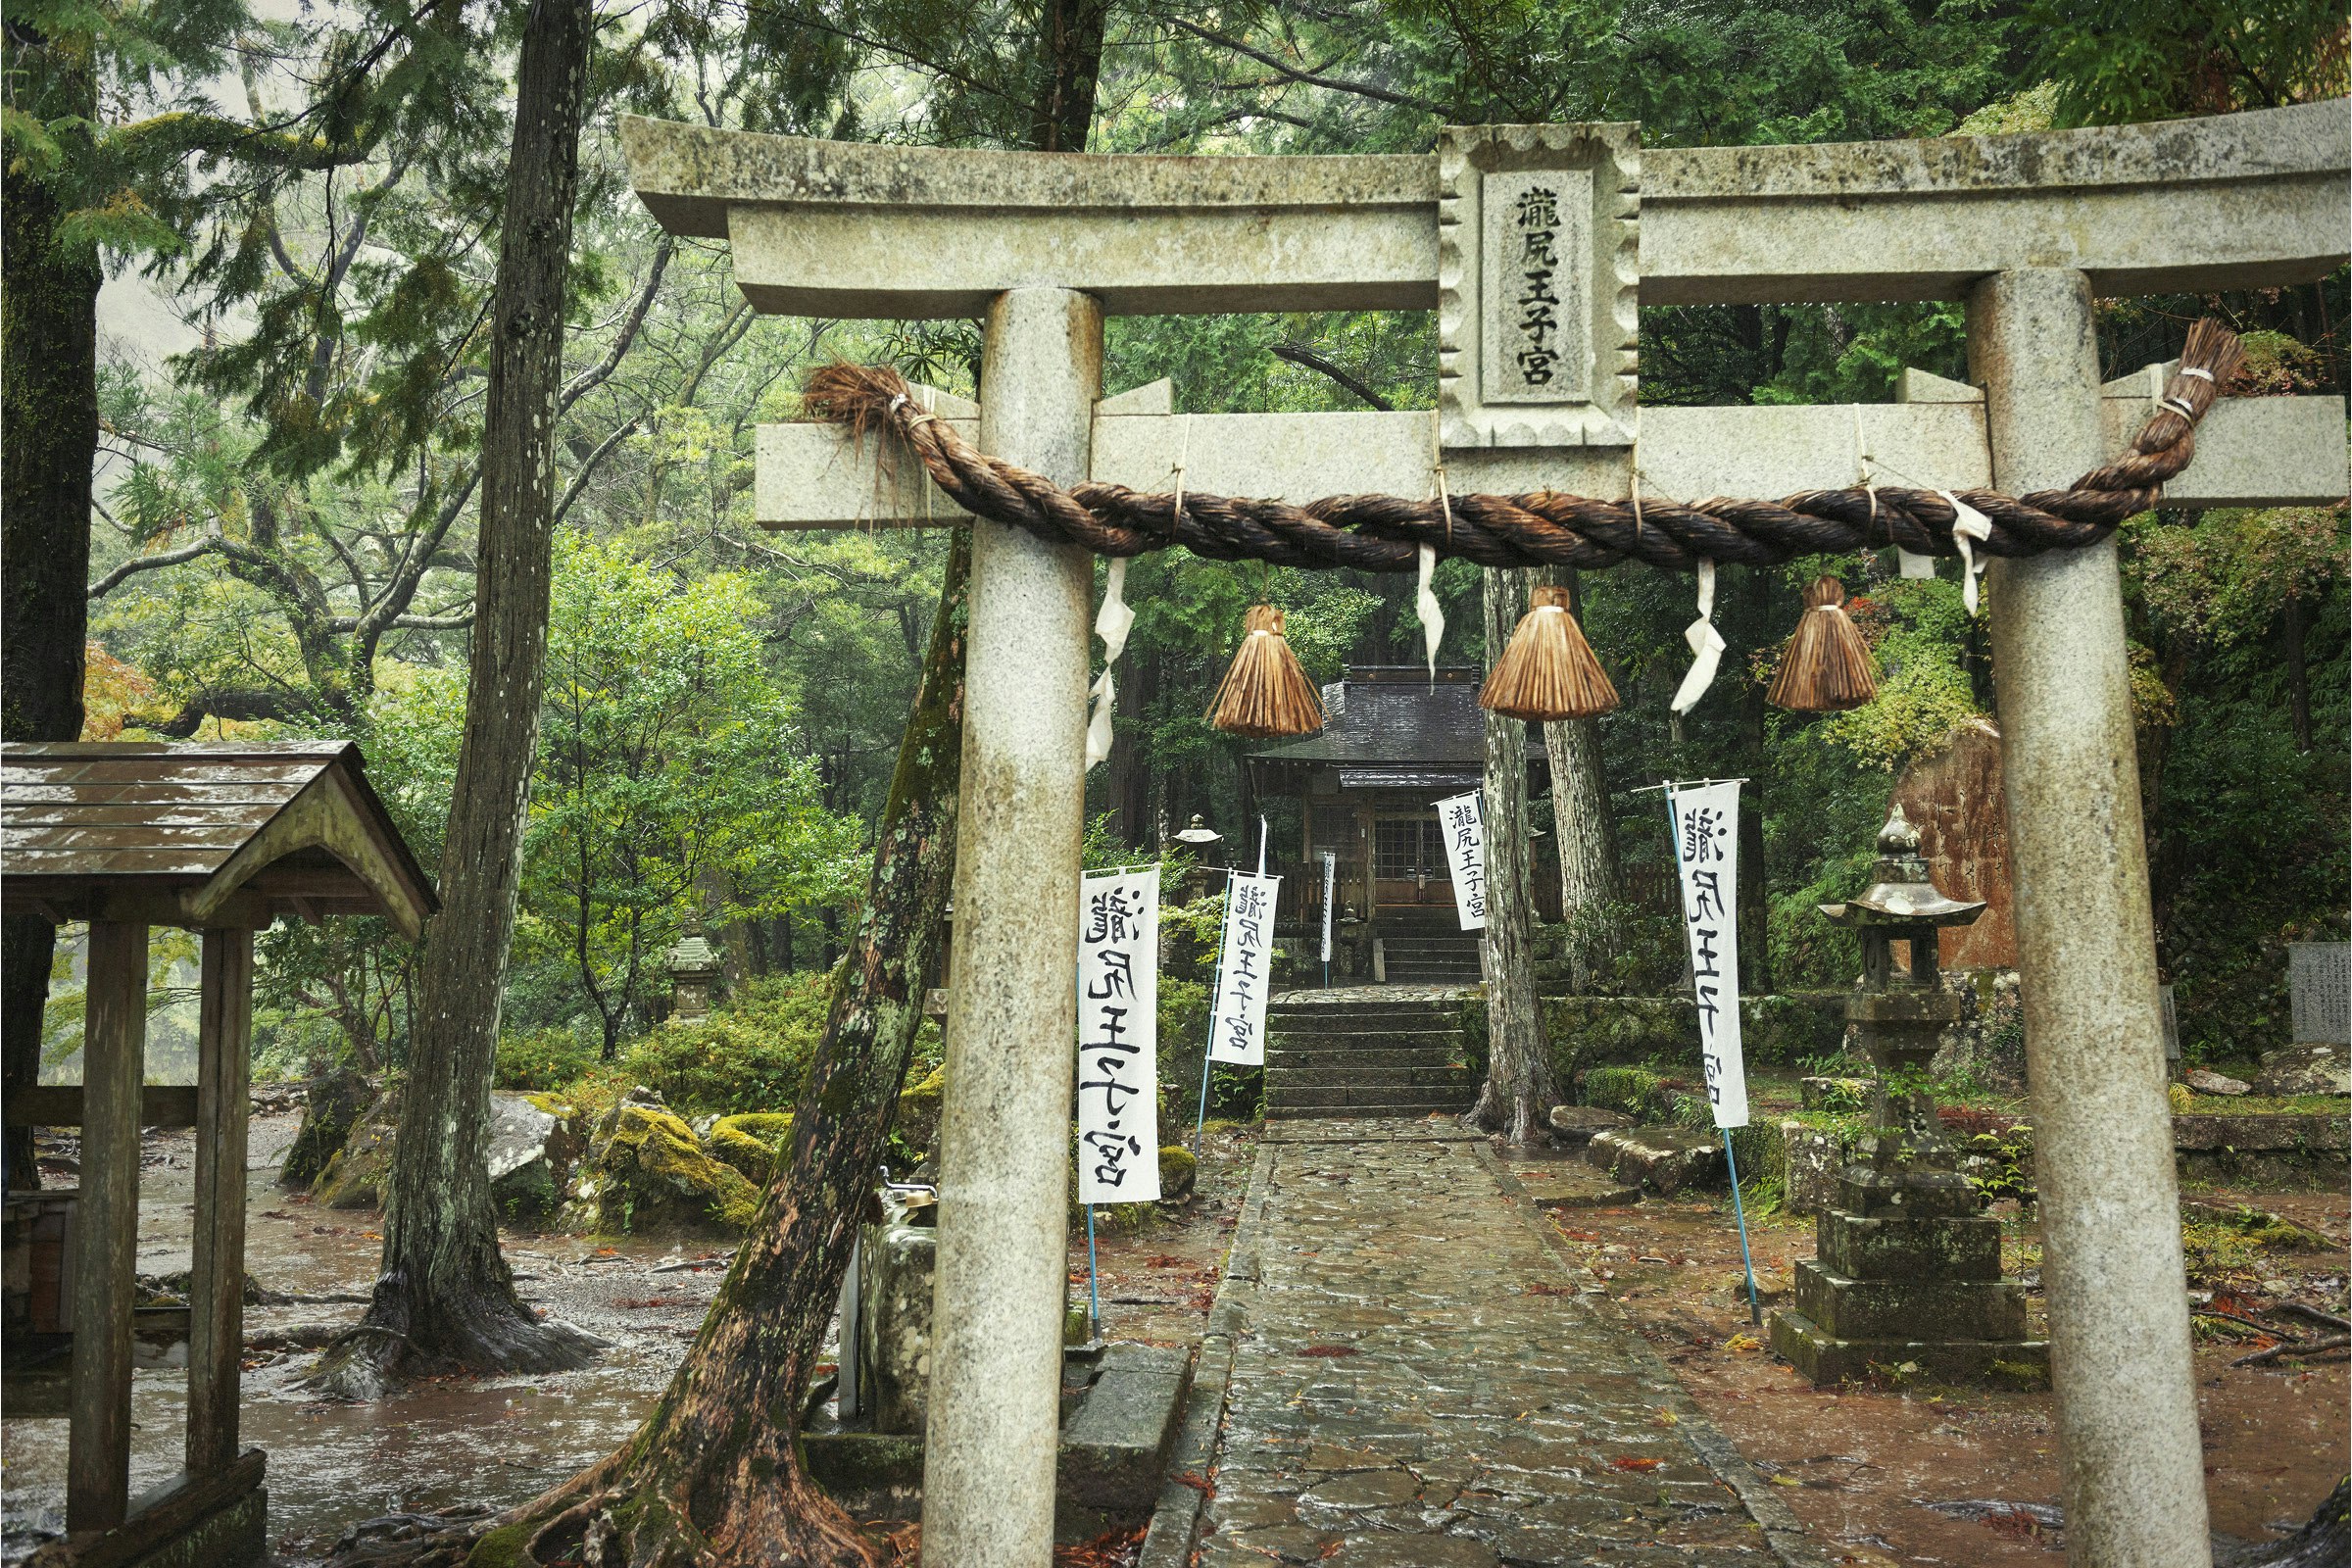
1637, 1091
540, 1059
753, 1055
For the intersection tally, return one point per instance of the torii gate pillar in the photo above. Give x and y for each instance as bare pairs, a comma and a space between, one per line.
2131, 1474
1012, 1013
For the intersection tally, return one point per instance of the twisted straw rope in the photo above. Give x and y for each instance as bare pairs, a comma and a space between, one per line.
1383, 533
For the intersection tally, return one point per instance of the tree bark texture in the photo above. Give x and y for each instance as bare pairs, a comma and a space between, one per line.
1591, 889
714, 1478
1520, 1088
445, 1297
48, 442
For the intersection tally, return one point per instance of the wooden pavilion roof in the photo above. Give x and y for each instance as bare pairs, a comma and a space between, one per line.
201, 835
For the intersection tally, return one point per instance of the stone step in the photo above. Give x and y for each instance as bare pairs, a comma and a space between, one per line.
1313, 1043
1365, 1103
1438, 1077
1345, 1061
1353, 1014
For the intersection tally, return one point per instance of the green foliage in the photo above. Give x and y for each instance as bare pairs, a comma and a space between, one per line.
541, 1059
1921, 632
665, 772
1637, 1091
752, 1055
2121, 61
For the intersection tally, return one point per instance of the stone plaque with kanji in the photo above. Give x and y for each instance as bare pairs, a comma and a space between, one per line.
1539, 274
2319, 992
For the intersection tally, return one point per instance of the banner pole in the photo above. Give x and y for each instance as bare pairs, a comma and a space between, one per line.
1216, 979
1755, 1313
1094, 1285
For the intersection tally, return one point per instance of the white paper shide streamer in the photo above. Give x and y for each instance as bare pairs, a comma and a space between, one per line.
1706, 854
1112, 623
1706, 645
1237, 1027
1462, 820
1118, 1037
1968, 524
1424, 604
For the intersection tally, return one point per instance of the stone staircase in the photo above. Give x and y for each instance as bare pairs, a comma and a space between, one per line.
1419, 958
1364, 1057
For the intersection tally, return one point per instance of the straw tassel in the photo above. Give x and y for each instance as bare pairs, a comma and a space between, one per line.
1826, 666
1266, 694
1548, 672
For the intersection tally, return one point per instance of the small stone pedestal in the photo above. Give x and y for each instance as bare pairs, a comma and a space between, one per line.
1909, 1265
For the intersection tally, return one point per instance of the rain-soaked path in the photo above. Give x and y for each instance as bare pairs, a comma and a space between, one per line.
1421, 1380
495, 1441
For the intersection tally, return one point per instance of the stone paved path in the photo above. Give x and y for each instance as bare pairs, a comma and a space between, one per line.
1419, 1380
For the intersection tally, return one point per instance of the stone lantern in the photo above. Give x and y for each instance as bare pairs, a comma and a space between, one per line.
1908, 1265
693, 967
1203, 840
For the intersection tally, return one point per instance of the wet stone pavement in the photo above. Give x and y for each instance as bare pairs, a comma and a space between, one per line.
1421, 1381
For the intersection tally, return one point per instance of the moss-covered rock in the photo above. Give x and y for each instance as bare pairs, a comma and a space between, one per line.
333, 1105
651, 1178
1178, 1173
752, 1143
1777, 1029
355, 1177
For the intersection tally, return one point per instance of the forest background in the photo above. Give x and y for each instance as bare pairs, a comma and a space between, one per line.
298, 212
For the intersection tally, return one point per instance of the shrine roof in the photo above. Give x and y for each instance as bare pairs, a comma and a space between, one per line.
1396, 719
202, 834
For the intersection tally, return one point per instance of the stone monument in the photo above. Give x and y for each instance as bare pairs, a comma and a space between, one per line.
1909, 1266
693, 967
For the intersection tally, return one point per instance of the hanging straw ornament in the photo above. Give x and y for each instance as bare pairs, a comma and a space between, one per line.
1826, 667
1266, 694
1548, 672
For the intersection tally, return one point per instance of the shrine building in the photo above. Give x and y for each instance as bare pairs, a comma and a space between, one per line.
1395, 741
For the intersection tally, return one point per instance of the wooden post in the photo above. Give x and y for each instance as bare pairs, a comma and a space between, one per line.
106, 1224
217, 1278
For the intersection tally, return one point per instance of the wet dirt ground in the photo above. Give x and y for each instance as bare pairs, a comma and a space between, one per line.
487, 1441
1862, 1464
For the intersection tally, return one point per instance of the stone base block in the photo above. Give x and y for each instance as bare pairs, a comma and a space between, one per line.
1824, 1358
1812, 1157
1907, 1310
1663, 1159
1912, 1250
1906, 1192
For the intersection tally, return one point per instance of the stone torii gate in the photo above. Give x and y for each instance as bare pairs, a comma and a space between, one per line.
2026, 229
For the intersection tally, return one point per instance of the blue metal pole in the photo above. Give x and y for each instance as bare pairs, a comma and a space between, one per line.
1755, 1313
1216, 979
1094, 1284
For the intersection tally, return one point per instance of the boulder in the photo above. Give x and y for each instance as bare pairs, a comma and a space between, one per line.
1663, 1159
752, 1143
333, 1105
2305, 1070
1575, 1126
1178, 1174
535, 1141
2214, 1083
649, 1176
355, 1177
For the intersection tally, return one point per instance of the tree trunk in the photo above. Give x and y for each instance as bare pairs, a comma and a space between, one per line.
2298, 678
1072, 42
445, 1297
714, 1477
1592, 890
48, 442
1520, 1089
